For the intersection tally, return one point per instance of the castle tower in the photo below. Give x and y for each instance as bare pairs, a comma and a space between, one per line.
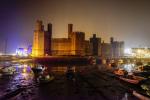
111, 40
39, 26
48, 39
70, 30
95, 45
38, 39
77, 43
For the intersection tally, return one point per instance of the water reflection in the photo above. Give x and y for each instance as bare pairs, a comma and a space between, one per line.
15, 78
61, 69
23, 77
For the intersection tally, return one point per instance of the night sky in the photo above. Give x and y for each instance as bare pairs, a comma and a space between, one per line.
125, 20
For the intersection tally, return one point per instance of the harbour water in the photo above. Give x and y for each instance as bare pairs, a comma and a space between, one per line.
89, 82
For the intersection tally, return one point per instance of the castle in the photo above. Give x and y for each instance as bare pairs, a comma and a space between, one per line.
74, 44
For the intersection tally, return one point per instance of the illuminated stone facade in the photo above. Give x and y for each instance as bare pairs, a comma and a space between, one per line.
114, 49
74, 44
61, 46
77, 43
41, 40
69, 46
117, 48
88, 48
95, 45
43, 44
105, 50
38, 40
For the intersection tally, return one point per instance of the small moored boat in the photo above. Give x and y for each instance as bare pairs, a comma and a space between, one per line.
46, 79
140, 96
38, 69
133, 81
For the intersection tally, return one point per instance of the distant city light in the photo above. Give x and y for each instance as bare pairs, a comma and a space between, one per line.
14, 54
141, 52
137, 52
128, 51
24, 52
129, 67
21, 52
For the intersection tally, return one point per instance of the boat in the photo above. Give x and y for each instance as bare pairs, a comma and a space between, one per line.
8, 70
38, 69
120, 72
143, 74
140, 78
145, 85
140, 96
133, 81
70, 74
45, 79
128, 76
92, 60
